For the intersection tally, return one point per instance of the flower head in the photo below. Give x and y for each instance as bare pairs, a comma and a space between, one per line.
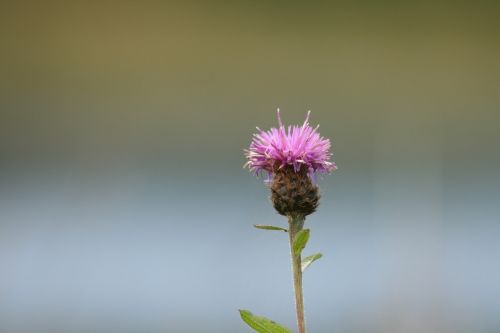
299, 147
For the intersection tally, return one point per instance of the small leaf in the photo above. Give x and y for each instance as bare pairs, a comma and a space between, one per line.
269, 227
262, 324
309, 260
300, 241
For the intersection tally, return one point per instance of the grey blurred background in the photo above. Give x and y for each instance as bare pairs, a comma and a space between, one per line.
124, 206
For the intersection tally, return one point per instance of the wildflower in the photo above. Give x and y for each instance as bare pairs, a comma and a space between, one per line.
291, 159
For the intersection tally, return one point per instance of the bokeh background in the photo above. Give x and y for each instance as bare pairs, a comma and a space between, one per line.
124, 206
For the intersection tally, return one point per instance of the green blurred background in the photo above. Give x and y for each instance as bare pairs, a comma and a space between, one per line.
123, 204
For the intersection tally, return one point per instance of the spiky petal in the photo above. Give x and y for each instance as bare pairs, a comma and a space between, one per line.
297, 147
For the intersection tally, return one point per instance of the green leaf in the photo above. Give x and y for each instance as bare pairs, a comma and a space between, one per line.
269, 227
309, 260
262, 324
300, 241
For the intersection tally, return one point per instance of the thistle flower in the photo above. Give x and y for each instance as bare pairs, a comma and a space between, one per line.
291, 159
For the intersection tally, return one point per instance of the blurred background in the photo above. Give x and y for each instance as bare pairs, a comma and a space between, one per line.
124, 206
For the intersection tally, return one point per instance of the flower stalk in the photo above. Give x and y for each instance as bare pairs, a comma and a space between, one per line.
295, 225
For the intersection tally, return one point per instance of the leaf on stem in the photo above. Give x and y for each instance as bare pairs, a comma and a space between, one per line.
269, 227
307, 261
300, 241
262, 324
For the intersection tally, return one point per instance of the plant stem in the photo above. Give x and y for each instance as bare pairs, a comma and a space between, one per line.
295, 225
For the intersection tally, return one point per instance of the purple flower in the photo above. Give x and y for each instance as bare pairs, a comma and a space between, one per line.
298, 147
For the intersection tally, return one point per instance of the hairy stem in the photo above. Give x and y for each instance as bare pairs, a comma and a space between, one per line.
295, 225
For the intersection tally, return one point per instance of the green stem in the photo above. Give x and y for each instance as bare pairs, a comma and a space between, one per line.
295, 225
